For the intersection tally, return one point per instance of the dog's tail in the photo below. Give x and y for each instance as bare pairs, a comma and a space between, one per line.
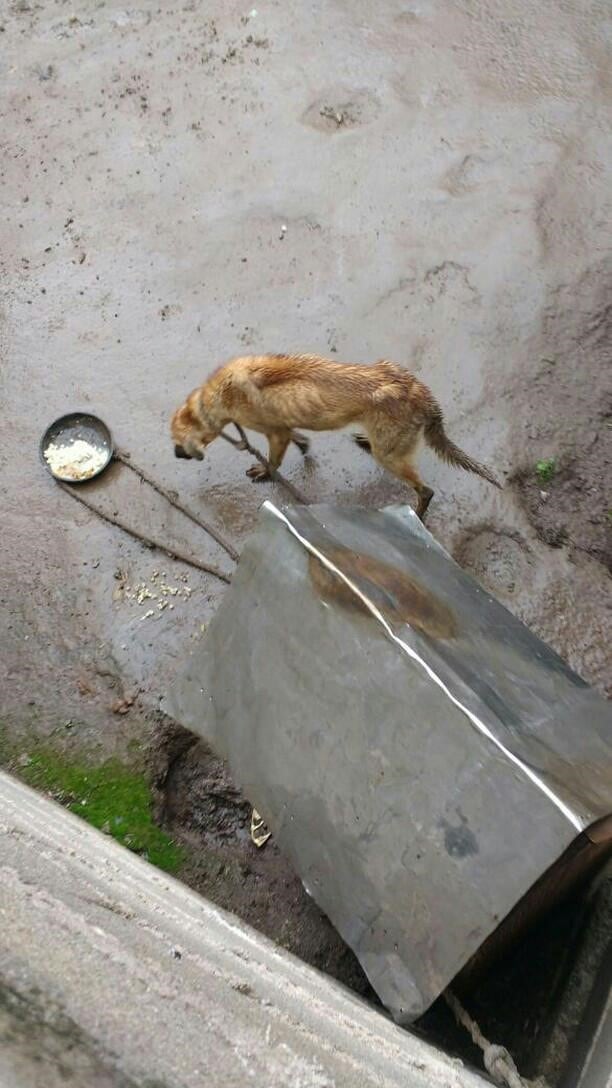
440, 443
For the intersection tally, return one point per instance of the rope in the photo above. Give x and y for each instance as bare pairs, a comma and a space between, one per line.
148, 541
497, 1061
125, 459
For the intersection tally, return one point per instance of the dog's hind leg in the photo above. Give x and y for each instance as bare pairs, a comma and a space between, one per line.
424, 493
277, 446
396, 455
300, 440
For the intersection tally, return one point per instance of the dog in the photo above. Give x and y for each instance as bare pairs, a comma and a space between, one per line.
275, 394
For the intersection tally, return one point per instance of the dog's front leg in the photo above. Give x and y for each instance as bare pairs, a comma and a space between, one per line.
242, 444
277, 447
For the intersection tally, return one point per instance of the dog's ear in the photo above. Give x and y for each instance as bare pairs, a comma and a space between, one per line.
189, 417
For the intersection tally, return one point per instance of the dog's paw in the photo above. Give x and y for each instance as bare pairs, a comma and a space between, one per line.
258, 472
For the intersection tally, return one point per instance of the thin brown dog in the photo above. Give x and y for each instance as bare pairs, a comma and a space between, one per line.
274, 394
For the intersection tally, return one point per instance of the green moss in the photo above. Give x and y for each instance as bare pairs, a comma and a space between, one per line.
5, 748
111, 797
545, 469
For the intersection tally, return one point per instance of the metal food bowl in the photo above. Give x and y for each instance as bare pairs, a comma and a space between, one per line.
69, 429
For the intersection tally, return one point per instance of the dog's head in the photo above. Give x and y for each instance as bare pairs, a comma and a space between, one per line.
190, 431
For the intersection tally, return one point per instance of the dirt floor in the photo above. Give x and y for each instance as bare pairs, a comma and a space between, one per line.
182, 183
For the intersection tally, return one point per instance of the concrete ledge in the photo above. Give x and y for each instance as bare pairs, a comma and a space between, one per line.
113, 974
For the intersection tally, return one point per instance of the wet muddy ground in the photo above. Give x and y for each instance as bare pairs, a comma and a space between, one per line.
426, 183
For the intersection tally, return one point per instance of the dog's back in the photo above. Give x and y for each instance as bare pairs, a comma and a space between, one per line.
308, 391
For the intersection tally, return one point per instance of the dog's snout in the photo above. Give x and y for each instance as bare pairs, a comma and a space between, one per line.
180, 452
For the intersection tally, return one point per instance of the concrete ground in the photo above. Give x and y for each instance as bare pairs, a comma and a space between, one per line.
422, 181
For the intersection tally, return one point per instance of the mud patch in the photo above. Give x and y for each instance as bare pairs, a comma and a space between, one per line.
499, 559
565, 479
575, 506
449, 277
472, 173
340, 110
200, 806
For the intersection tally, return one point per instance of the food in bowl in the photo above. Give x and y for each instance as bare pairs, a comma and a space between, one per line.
77, 460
